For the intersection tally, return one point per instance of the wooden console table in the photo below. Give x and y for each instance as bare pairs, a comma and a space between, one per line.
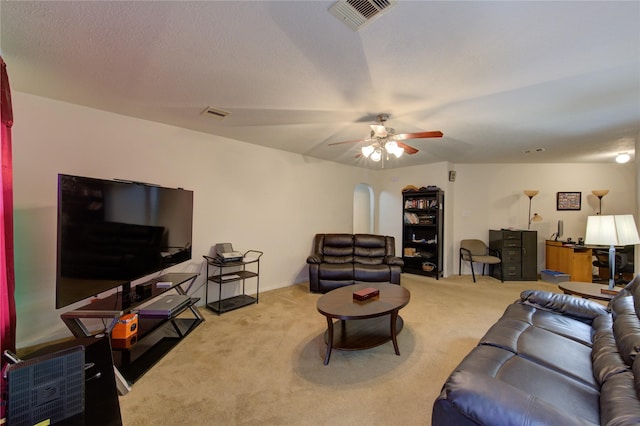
570, 259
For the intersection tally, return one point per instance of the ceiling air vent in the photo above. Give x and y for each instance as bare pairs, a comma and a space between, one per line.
213, 112
358, 13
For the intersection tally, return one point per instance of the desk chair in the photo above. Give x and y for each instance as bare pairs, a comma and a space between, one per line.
477, 251
623, 264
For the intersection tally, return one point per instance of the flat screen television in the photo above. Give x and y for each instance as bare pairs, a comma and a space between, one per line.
112, 232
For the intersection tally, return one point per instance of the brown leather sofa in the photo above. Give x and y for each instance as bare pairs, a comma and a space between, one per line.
344, 259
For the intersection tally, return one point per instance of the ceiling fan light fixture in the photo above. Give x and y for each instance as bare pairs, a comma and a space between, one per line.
376, 155
367, 150
391, 146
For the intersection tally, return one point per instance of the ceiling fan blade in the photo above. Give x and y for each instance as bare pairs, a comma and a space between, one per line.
407, 148
418, 135
353, 141
358, 155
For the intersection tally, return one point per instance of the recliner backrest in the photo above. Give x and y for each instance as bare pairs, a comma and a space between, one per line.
370, 249
337, 248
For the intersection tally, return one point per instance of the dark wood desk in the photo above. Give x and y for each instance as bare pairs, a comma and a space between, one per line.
367, 326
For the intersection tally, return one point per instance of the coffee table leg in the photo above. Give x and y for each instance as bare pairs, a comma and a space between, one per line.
394, 318
329, 340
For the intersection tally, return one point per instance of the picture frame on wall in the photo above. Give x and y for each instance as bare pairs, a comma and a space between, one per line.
569, 200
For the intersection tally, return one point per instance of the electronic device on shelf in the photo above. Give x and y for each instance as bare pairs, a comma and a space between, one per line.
46, 389
560, 229
225, 253
165, 306
113, 232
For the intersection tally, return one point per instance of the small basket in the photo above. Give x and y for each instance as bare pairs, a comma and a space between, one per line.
428, 266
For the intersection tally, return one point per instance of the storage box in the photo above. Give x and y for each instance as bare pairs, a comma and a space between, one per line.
126, 327
554, 276
366, 294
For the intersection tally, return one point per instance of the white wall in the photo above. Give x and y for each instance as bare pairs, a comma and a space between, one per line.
390, 184
259, 198
489, 196
254, 197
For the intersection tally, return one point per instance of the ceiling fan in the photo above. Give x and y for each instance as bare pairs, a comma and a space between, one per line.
384, 141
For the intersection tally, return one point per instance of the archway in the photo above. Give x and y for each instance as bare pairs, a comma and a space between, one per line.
363, 207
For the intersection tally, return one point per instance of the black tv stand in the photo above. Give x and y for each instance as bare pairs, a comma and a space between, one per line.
155, 336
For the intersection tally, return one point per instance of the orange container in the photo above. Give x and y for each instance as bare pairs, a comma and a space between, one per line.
126, 327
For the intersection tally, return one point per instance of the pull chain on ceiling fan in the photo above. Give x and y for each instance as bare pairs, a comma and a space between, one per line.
385, 141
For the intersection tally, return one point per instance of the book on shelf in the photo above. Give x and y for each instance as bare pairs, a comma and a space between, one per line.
411, 218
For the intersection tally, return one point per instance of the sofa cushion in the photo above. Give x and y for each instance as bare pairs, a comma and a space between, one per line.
338, 248
371, 273
604, 353
619, 403
369, 249
495, 386
551, 321
581, 309
338, 271
626, 329
555, 352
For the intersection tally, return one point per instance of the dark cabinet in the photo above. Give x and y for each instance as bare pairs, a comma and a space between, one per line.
519, 251
422, 231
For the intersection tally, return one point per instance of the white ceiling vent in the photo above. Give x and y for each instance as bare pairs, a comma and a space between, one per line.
213, 112
358, 13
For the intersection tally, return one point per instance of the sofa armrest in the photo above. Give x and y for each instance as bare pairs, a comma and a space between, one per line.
314, 259
470, 398
393, 260
581, 309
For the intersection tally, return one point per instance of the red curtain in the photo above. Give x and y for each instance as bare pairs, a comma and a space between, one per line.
7, 273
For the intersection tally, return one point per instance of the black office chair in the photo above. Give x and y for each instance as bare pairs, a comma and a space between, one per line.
623, 264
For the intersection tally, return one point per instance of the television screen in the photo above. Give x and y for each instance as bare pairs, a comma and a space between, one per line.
112, 232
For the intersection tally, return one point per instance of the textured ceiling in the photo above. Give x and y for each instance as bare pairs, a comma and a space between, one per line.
498, 78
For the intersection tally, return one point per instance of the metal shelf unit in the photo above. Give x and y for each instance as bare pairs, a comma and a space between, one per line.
240, 273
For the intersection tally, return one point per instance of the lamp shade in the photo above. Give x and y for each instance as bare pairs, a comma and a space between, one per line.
367, 150
617, 230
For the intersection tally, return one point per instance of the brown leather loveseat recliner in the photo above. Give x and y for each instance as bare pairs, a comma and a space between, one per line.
344, 259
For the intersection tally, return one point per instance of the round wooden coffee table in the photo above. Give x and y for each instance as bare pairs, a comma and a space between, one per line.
586, 290
368, 325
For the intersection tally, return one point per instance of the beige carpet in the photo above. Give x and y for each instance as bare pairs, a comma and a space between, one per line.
263, 364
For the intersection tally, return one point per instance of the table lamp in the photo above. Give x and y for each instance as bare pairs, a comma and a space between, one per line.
617, 230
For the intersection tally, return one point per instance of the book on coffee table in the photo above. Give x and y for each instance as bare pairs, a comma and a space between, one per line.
366, 294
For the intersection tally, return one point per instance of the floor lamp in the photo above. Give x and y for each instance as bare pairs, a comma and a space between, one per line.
618, 230
536, 217
600, 193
